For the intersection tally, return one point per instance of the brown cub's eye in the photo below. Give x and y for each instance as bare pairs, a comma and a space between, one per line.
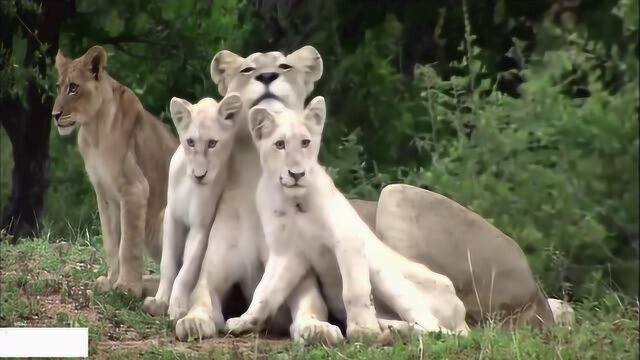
247, 70
191, 143
285, 67
73, 87
212, 144
305, 143
279, 144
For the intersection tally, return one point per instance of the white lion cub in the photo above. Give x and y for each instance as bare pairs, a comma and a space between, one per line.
196, 178
308, 223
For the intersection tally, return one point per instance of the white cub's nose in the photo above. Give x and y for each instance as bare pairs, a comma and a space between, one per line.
296, 175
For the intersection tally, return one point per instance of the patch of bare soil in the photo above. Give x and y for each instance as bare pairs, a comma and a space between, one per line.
241, 345
52, 305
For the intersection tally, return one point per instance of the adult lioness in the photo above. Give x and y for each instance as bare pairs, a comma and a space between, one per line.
236, 251
308, 223
126, 153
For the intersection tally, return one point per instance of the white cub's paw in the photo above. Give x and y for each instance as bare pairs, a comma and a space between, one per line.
154, 307
178, 308
314, 331
195, 326
241, 325
363, 333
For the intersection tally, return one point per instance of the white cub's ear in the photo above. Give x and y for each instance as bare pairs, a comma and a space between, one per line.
315, 114
262, 122
229, 109
308, 60
180, 110
223, 68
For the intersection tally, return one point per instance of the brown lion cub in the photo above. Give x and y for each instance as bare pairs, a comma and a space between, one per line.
126, 152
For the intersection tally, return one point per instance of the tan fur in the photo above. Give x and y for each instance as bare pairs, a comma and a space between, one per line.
126, 152
490, 272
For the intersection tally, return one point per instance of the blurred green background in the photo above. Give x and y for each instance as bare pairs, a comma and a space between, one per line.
524, 111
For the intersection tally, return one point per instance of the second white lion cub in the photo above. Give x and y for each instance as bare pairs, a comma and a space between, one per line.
308, 223
196, 178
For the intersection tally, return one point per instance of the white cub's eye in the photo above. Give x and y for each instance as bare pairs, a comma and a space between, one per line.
285, 67
191, 143
305, 143
212, 144
279, 144
247, 70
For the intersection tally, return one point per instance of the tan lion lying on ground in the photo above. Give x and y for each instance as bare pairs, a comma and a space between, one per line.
126, 153
490, 272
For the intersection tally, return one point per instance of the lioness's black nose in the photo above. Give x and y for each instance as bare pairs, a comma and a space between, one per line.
200, 177
267, 78
296, 176
56, 115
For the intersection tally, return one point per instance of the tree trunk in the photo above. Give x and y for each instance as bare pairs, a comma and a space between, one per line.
28, 122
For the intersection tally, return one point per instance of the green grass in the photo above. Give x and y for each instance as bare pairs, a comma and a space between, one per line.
44, 283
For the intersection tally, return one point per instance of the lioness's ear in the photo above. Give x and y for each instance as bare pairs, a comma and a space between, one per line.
262, 122
315, 114
180, 110
223, 66
309, 61
96, 60
61, 61
229, 108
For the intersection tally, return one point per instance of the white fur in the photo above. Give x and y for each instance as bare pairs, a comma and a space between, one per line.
309, 224
236, 250
196, 178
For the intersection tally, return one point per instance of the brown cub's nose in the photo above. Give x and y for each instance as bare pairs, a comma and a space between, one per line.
200, 177
56, 115
267, 78
296, 176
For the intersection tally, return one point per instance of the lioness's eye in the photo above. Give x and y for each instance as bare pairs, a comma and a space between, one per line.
247, 70
191, 143
305, 143
73, 87
279, 144
285, 67
212, 144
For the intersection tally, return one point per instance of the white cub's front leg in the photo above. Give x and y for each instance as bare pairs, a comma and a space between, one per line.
309, 314
282, 273
172, 242
194, 249
356, 290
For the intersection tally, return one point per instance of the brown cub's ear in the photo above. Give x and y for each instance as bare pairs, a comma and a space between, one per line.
96, 60
262, 122
61, 61
223, 68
